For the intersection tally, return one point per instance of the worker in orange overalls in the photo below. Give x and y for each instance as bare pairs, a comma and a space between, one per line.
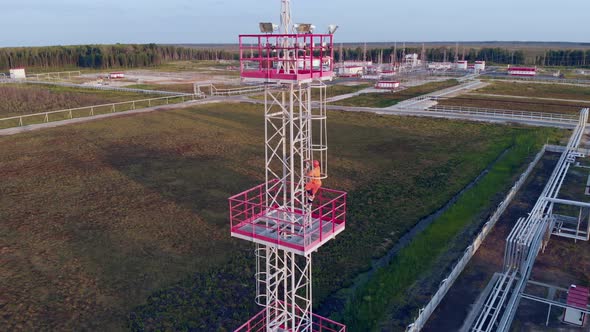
315, 181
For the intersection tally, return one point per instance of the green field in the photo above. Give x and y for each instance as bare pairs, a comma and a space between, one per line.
387, 291
127, 226
559, 91
391, 98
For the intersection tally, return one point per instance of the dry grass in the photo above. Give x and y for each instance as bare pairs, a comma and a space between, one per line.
28, 99
559, 91
124, 221
516, 104
391, 98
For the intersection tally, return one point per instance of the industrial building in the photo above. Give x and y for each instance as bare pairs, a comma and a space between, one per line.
116, 75
18, 73
350, 71
522, 71
390, 85
461, 65
479, 66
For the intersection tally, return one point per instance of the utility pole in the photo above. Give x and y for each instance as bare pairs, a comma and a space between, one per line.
423, 55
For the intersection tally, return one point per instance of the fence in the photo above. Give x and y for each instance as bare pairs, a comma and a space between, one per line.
538, 79
55, 75
425, 313
202, 89
507, 114
45, 117
94, 87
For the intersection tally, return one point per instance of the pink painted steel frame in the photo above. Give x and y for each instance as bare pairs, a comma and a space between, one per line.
265, 52
319, 324
247, 207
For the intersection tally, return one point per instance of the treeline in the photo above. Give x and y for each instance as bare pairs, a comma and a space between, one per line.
146, 55
577, 58
494, 55
104, 56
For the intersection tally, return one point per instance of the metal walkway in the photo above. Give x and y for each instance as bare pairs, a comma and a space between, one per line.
526, 239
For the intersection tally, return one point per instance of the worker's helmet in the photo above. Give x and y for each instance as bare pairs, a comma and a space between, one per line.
316, 163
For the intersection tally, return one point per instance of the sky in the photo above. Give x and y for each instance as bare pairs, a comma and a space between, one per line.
70, 22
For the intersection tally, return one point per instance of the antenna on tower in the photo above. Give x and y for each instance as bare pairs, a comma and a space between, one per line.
286, 26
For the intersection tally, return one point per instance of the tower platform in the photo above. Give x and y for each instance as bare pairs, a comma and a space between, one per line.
288, 229
319, 324
286, 58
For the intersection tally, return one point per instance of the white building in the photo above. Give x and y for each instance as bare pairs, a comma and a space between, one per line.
350, 71
522, 71
387, 85
116, 75
411, 60
440, 66
18, 73
480, 66
461, 65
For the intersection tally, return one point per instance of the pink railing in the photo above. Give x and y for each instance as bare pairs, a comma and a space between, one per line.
319, 324
246, 208
262, 56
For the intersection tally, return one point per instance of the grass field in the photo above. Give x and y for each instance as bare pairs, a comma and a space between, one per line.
559, 91
127, 227
516, 104
27, 99
392, 98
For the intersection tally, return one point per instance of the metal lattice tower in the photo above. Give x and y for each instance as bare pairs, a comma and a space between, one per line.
277, 215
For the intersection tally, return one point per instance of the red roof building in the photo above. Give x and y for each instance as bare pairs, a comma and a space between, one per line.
577, 297
522, 71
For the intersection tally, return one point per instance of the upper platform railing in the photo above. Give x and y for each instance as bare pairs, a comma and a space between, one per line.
289, 58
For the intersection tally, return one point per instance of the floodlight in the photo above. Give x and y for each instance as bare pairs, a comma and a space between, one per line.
332, 28
266, 27
304, 27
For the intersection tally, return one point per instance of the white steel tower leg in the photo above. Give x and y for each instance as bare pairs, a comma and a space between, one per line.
284, 278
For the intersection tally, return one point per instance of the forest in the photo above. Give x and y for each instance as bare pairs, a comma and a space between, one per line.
147, 55
104, 56
495, 55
